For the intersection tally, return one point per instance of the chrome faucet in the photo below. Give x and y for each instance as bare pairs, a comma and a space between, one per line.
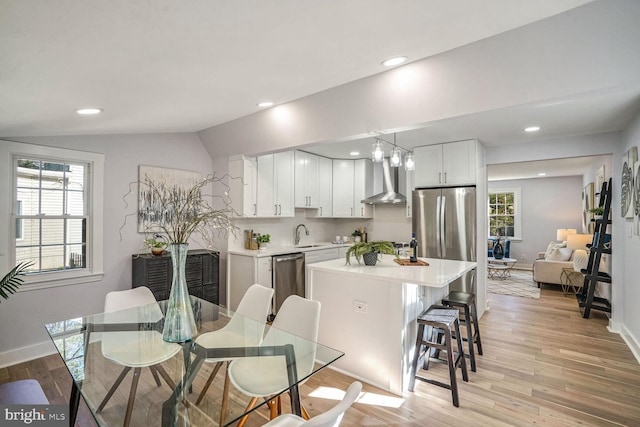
298, 232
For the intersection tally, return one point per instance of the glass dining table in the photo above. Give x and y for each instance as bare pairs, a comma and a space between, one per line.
81, 344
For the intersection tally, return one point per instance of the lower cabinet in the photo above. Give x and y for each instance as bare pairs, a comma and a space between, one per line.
202, 272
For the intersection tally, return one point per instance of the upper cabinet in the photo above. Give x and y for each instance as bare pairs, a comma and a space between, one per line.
325, 189
275, 185
410, 186
306, 180
353, 181
243, 172
449, 164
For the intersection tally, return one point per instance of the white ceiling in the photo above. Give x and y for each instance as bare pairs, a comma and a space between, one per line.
166, 66
169, 66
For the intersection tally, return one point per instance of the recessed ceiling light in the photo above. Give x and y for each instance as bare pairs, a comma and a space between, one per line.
354, 153
265, 104
532, 129
394, 61
89, 111
542, 174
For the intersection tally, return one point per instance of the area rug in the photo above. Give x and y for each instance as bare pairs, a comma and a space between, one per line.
520, 284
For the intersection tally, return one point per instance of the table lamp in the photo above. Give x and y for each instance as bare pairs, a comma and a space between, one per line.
563, 233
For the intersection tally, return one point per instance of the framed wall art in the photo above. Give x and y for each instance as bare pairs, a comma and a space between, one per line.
627, 203
587, 205
151, 212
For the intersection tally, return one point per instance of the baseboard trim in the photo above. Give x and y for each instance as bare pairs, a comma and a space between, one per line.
631, 341
24, 354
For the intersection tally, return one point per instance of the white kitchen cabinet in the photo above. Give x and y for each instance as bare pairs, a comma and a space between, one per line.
449, 164
325, 189
353, 181
275, 185
409, 187
362, 188
242, 185
343, 188
306, 180
242, 272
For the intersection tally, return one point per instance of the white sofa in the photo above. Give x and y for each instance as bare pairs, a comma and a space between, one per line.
549, 269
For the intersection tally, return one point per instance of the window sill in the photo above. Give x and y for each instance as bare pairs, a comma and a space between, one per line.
54, 280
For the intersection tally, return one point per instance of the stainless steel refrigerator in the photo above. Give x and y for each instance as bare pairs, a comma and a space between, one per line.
444, 220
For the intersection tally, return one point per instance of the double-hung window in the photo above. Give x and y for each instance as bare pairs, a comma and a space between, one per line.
504, 213
52, 200
57, 214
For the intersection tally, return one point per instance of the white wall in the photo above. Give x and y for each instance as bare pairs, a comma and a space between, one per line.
626, 254
546, 204
22, 317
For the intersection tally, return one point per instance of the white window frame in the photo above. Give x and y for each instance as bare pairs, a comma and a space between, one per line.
95, 179
517, 217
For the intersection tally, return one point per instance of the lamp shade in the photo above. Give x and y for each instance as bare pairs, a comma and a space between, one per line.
563, 233
579, 241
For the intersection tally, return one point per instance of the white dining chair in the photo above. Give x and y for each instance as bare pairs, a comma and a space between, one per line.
296, 323
135, 349
331, 418
256, 305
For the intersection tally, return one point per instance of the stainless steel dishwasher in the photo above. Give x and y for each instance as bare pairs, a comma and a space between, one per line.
288, 277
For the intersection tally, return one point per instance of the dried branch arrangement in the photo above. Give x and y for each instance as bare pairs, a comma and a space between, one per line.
179, 212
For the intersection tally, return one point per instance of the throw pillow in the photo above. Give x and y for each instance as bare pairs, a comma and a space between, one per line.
580, 259
551, 246
559, 254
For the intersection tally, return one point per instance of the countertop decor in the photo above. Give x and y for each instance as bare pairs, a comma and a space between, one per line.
363, 249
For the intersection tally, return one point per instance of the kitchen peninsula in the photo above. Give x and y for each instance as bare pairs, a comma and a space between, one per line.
370, 313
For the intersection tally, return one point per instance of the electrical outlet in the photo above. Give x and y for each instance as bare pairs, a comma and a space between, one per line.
360, 306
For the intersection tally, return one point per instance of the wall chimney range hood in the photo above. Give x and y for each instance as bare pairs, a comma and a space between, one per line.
390, 193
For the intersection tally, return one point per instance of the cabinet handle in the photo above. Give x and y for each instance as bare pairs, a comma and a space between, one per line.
445, 177
279, 209
320, 210
408, 210
439, 177
309, 200
255, 210
351, 211
361, 210
276, 209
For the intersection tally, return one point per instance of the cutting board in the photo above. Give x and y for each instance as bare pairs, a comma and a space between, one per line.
405, 261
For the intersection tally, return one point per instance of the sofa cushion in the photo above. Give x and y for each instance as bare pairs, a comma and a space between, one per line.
551, 246
580, 259
559, 254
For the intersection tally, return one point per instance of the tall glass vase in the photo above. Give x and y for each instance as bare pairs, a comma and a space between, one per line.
179, 323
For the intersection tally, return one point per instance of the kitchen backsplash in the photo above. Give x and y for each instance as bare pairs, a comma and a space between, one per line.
390, 223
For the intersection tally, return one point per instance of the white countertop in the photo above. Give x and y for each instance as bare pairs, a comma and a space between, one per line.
439, 272
279, 250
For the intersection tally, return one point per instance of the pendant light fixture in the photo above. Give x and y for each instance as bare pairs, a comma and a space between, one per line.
377, 153
395, 158
409, 163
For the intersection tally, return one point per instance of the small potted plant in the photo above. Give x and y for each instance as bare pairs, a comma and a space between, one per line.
369, 251
357, 236
157, 244
597, 212
263, 240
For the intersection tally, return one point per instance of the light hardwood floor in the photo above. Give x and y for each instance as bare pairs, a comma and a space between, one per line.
542, 364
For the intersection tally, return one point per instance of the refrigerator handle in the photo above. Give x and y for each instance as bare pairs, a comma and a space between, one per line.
438, 227
442, 227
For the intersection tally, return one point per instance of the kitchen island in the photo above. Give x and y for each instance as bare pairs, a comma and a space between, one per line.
370, 313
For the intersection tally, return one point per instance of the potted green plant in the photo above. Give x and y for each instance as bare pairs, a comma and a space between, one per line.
357, 236
156, 244
369, 251
597, 212
263, 239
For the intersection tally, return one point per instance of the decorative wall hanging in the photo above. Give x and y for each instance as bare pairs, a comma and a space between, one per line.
598, 187
636, 214
627, 202
587, 205
150, 211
